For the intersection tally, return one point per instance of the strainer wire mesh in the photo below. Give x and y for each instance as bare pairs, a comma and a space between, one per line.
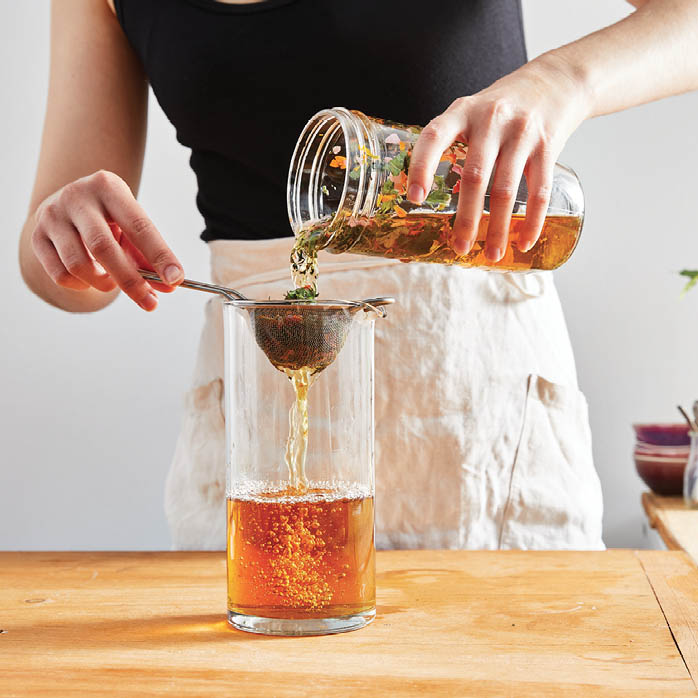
301, 335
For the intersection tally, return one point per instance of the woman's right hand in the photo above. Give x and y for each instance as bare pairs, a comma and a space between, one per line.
92, 233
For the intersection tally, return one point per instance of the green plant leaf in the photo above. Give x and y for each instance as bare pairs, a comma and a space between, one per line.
692, 275
439, 197
305, 293
388, 187
396, 165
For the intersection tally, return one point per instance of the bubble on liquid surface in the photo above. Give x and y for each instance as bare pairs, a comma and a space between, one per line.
263, 491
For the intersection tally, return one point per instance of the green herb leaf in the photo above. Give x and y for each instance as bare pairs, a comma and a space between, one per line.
388, 187
439, 197
305, 293
396, 165
692, 275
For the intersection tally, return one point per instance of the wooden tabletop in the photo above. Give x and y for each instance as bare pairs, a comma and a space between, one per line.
616, 623
674, 521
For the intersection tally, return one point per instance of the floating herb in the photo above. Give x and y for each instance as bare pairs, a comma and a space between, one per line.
398, 163
339, 161
439, 197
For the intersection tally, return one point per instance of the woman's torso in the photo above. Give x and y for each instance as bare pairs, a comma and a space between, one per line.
239, 81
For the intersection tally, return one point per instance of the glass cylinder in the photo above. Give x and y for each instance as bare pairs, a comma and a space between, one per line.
690, 474
300, 486
347, 191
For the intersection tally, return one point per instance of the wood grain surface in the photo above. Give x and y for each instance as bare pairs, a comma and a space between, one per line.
674, 585
674, 521
449, 623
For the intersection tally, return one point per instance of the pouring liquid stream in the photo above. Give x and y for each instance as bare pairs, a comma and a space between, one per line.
304, 272
297, 443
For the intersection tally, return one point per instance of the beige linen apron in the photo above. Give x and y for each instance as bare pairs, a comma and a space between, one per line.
482, 435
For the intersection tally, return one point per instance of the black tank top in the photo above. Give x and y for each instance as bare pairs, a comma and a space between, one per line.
239, 81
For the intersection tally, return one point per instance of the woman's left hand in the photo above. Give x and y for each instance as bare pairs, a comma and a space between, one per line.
515, 127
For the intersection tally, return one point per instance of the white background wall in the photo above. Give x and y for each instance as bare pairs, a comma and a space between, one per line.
90, 405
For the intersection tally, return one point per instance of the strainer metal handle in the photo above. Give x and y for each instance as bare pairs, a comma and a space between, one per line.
375, 304
230, 293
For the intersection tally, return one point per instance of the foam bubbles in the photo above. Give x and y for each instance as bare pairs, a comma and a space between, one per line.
263, 491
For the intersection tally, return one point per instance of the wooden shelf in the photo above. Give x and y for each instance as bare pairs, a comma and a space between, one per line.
674, 521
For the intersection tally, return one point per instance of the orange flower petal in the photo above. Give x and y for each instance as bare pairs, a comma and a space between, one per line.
339, 161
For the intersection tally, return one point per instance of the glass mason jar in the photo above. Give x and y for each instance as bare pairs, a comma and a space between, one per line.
690, 474
300, 483
347, 191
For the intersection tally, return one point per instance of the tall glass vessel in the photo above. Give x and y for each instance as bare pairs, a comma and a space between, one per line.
300, 487
690, 474
347, 191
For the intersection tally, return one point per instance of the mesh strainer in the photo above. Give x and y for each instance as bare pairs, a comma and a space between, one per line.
294, 334
297, 335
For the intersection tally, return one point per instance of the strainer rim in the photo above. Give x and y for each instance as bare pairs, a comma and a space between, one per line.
250, 303
372, 304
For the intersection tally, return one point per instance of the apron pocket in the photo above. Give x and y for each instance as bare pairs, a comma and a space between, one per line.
554, 497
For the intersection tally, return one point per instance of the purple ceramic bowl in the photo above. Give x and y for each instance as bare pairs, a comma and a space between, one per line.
663, 434
661, 475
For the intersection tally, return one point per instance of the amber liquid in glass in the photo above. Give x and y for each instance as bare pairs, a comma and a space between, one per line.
298, 554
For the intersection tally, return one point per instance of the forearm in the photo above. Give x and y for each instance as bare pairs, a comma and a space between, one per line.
651, 54
85, 232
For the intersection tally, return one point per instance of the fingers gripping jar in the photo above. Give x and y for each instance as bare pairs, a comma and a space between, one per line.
347, 190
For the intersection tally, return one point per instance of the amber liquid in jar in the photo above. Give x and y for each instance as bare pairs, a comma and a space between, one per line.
297, 554
427, 238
